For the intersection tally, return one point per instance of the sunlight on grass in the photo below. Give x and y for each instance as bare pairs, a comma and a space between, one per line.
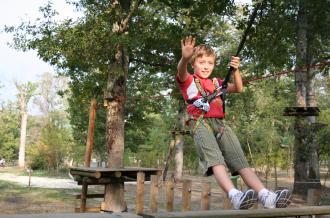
10, 189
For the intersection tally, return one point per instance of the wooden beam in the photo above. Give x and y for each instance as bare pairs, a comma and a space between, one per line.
72, 215
278, 212
301, 111
91, 196
140, 193
90, 136
85, 173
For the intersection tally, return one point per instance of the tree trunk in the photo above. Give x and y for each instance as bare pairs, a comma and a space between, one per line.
301, 146
21, 153
115, 96
314, 168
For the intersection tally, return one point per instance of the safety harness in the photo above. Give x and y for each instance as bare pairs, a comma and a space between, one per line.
203, 103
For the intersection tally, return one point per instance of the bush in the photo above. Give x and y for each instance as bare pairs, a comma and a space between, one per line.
38, 162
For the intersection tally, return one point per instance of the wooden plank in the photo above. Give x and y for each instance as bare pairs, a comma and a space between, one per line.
129, 173
91, 196
278, 212
226, 202
169, 195
105, 170
154, 193
88, 209
84, 190
140, 193
73, 215
205, 195
101, 181
301, 111
95, 174
186, 195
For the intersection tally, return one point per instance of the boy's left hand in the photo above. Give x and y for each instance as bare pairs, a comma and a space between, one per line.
235, 62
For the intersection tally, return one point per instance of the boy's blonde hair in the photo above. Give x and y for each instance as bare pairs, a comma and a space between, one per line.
201, 50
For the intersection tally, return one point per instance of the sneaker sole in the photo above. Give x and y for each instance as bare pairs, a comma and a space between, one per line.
284, 199
249, 200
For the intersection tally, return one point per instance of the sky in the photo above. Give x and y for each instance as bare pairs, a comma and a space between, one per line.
18, 65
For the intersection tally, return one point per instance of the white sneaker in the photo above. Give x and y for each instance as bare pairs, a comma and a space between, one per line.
279, 199
244, 200
268, 199
283, 198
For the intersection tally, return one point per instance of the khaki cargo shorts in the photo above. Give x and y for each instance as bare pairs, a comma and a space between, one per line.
215, 149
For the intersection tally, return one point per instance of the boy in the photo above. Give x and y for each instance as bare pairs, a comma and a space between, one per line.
216, 143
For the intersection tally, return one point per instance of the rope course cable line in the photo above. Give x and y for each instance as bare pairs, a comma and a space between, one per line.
255, 79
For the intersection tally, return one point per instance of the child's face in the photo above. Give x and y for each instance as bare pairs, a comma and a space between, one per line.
204, 65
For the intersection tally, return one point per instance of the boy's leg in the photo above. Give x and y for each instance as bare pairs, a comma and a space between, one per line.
279, 199
251, 179
236, 161
222, 178
238, 199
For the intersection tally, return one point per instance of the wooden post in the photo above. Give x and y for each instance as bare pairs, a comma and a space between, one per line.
83, 197
205, 196
154, 193
186, 195
29, 171
226, 202
169, 195
313, 197
140, 192
90, 137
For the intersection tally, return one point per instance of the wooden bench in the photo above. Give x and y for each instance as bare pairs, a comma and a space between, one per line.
86, 176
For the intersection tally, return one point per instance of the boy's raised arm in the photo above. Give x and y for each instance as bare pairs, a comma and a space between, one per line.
187, 49
237, 85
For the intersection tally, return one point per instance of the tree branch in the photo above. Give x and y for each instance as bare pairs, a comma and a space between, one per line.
151, 64
124, 23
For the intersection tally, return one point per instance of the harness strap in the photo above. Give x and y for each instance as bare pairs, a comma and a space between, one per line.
199, 87
204, 95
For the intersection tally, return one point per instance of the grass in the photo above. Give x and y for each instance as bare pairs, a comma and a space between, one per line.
9, 189
15, 198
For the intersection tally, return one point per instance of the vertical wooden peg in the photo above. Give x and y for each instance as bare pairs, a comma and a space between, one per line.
205, 195
169, 195
186, 195
154, 193
140, 192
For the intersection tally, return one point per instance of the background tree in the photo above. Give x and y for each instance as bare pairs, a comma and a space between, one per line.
55, 142
25, 92
9, 131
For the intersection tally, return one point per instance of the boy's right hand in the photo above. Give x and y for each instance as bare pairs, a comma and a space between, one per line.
187, 47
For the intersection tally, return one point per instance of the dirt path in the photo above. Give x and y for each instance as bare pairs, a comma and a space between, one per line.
40, 182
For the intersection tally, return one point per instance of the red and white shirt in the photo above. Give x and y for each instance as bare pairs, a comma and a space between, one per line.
190, 91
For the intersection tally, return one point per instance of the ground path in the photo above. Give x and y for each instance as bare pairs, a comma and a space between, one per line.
40, 182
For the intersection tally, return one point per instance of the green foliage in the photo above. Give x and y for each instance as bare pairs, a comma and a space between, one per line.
152, 152
9, 131
322, 85
38, 160
256, 116
52, 149
276, 29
